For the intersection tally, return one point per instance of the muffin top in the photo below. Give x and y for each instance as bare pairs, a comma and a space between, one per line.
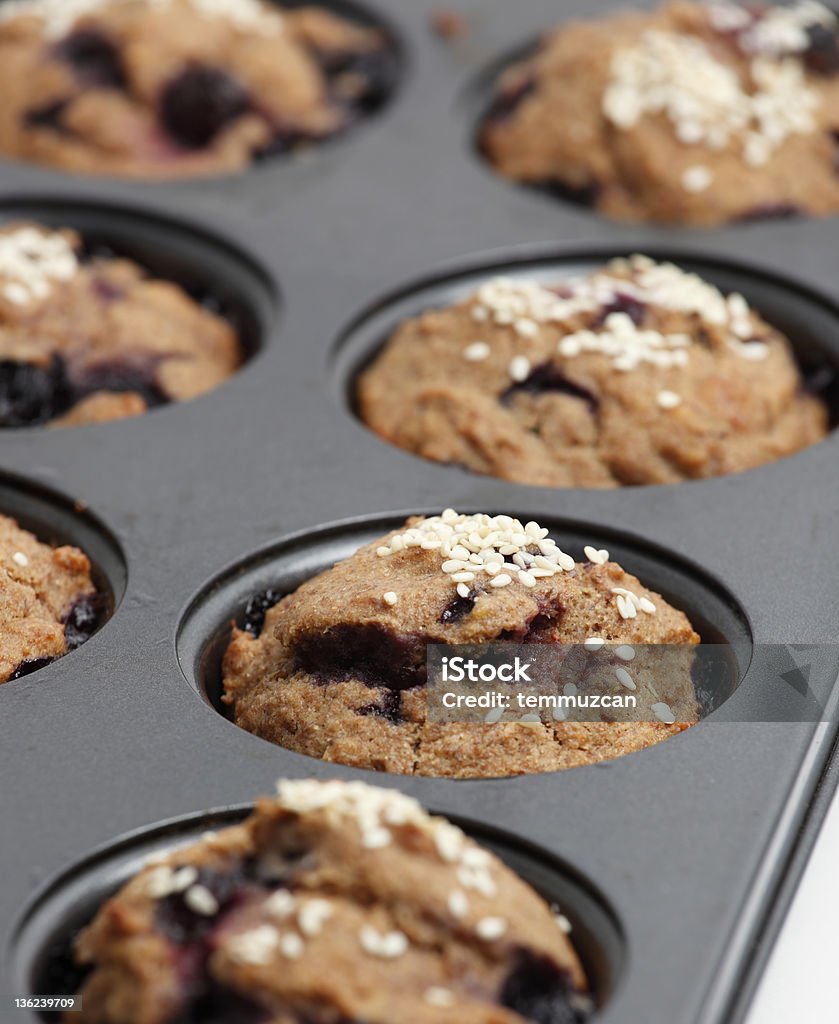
636, 373
337, 669
178, 88
333, 901
86, 338
48, 602
692, 114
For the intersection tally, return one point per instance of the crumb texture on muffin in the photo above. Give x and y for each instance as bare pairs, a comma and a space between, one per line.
337, 669
691, 114
333, 902
48, 602
636, 373
86, 338
180, 88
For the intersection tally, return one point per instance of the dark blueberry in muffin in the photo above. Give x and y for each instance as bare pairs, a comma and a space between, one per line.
199, 103
82, 621
31, 394
26, 668
458, 608
632, 307
549, 378
257, 608
822, 55
539, 992
217, 1005
388, 707
122, 377
94, 58
50, 115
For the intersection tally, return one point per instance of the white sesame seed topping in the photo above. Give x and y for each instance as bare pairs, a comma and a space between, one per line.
312, 916
291, 946
668, 399
705, 100
19, 558
501, 580
664, 713
519, 368
280, 904
391, 597
596, 556
697, 178
490, 928
437, 996
31, 261
463, 590
626, 652
256, 946
387, 946
458, 903
59, 16
594, 643
624, 678
376, 838
201, 901
494, 715
476, 352
563, 923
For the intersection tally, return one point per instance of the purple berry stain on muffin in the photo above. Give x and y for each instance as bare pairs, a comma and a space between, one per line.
200, 103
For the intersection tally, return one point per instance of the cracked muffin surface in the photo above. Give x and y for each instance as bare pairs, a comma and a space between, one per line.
636, 373
48, 602
337, 669
180, 88
411, 919
692, 114
87, 338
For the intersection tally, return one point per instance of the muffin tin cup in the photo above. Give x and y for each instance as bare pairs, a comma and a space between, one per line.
695, 844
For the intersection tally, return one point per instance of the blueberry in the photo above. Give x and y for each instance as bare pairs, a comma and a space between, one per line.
82, 620
540, 992
50, 115
94, 58
623, 303
822, 53
257, 608
121, 378
547, 378
26, 668
457, 609
31, 394
199, 103
388, 707
378, 656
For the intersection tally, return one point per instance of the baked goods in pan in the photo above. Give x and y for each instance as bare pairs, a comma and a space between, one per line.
337, 669
334, 902
635, 373
178, 88
48, 602
87, 337
692, 114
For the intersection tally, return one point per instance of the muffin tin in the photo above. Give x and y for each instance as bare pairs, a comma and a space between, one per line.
674, 864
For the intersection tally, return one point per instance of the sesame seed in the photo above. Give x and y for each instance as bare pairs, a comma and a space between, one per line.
664, 713
376, 838
490, 928
312, 916
668, 399
519, 369
458, 903
387, 946
476, 352
391, 597
255, 946
436, 996
19, 558
501, 580
697, 178
463, 590
563, 923
280, 904
291, 946
626, 608
624, 678
494, 715
184, 878
594, 643
626, 652
597, 557
559, 714
201, 901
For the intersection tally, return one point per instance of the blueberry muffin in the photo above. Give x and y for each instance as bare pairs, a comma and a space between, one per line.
87, 338
337, 670
692, 114
414, 921
178, 88
638, 373
48, 602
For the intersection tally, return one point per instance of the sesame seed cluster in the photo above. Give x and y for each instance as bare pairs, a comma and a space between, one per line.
293, 917
778, 30
30, 261
59, 16
528, 305
706, 101
499, 547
